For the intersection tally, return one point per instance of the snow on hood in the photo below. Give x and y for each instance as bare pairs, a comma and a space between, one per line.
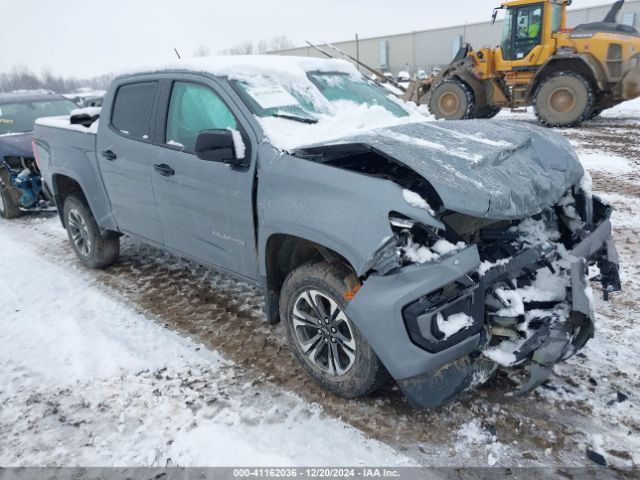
491, 169
347, 119
16, 145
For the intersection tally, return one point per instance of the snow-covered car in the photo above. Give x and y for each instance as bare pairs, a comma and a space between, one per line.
388, 244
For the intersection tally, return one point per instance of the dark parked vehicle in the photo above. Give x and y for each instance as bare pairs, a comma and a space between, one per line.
20, 185
387, 244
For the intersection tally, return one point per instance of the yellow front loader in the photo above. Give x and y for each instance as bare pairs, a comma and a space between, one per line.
568, 75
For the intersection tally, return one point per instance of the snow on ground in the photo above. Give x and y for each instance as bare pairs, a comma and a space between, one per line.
101, 382
88, 380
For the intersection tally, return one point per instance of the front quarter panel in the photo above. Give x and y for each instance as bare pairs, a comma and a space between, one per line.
344, 211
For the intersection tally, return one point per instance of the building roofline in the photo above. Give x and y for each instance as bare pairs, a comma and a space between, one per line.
413, 32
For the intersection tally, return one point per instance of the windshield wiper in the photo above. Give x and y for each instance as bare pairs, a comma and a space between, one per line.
295, 118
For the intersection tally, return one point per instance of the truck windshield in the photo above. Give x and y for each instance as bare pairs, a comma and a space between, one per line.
321, 94
340, 87
19, 117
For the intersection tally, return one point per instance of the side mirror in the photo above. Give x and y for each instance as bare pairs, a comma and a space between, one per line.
217, 146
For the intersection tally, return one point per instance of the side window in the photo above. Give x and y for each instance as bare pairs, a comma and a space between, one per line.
131, 113
528, 30
194, 108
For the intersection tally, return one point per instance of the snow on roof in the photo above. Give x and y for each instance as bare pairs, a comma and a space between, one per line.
234, 66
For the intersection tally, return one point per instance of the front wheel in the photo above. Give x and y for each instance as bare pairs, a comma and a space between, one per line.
325, 342
92, 248
452, 100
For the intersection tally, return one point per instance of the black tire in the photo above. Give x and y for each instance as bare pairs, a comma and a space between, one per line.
564, 99
92, 248
360, 375
595, 113
9, 197
487, 112
452, 100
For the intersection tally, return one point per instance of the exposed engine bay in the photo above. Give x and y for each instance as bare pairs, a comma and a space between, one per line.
530, 298
23, 175
531, 289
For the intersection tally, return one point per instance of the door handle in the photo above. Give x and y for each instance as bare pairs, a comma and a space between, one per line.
164, 170
109, 155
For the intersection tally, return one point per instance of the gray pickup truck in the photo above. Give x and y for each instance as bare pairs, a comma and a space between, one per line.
388, 244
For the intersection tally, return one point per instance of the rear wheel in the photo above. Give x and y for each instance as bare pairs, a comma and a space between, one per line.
452, 100
325, 342
564, 99
92, 248
488, 112
9, 197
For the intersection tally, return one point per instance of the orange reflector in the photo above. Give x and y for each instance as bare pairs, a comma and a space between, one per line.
349, 294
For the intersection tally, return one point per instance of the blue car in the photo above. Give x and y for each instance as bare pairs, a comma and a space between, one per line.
20, 184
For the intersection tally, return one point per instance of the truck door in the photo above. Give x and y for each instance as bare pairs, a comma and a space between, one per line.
124, 153
206, 208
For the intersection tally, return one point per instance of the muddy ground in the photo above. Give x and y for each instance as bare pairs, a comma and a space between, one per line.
553, 425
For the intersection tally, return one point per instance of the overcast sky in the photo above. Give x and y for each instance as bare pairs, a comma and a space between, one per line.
93, 37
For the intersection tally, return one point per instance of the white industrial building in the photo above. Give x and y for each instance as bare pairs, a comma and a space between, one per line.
428, 49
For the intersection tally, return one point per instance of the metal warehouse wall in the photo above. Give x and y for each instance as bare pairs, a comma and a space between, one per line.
428, 49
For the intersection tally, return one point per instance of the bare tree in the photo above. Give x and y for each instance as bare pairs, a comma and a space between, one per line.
281, 42
202, 51
260, 48
21, 78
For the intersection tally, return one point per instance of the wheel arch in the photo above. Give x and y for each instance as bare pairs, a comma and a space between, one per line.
283, 254
583, 64
63, 185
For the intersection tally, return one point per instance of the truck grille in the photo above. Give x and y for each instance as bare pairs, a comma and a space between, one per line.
468, 227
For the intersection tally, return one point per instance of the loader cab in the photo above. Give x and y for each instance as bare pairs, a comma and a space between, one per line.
528, 30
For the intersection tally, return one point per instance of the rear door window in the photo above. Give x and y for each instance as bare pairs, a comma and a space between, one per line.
194, 108
132, 107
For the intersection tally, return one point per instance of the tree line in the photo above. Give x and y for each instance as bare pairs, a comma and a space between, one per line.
20, 77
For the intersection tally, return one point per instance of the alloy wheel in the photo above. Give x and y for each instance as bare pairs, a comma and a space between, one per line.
79, 232
323, 332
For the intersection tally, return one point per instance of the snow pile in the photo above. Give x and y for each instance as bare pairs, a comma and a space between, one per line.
606, 163
417, 253
534, 232
486, 265
345, 120
65, 123
472, 434
238, 143
453, 323
241, 67
91, 111
415, 200
89, 381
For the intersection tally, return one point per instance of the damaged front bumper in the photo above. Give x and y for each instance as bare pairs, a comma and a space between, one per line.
398, 313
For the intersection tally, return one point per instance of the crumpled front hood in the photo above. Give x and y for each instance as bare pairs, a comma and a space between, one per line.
18, 145
494, 169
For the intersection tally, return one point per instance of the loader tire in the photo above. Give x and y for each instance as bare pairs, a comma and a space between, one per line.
595, 113
9, 197
324, 341
564, 99
487, 112
452, 100
94, 250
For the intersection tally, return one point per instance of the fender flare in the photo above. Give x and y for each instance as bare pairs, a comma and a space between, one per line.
555, 63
